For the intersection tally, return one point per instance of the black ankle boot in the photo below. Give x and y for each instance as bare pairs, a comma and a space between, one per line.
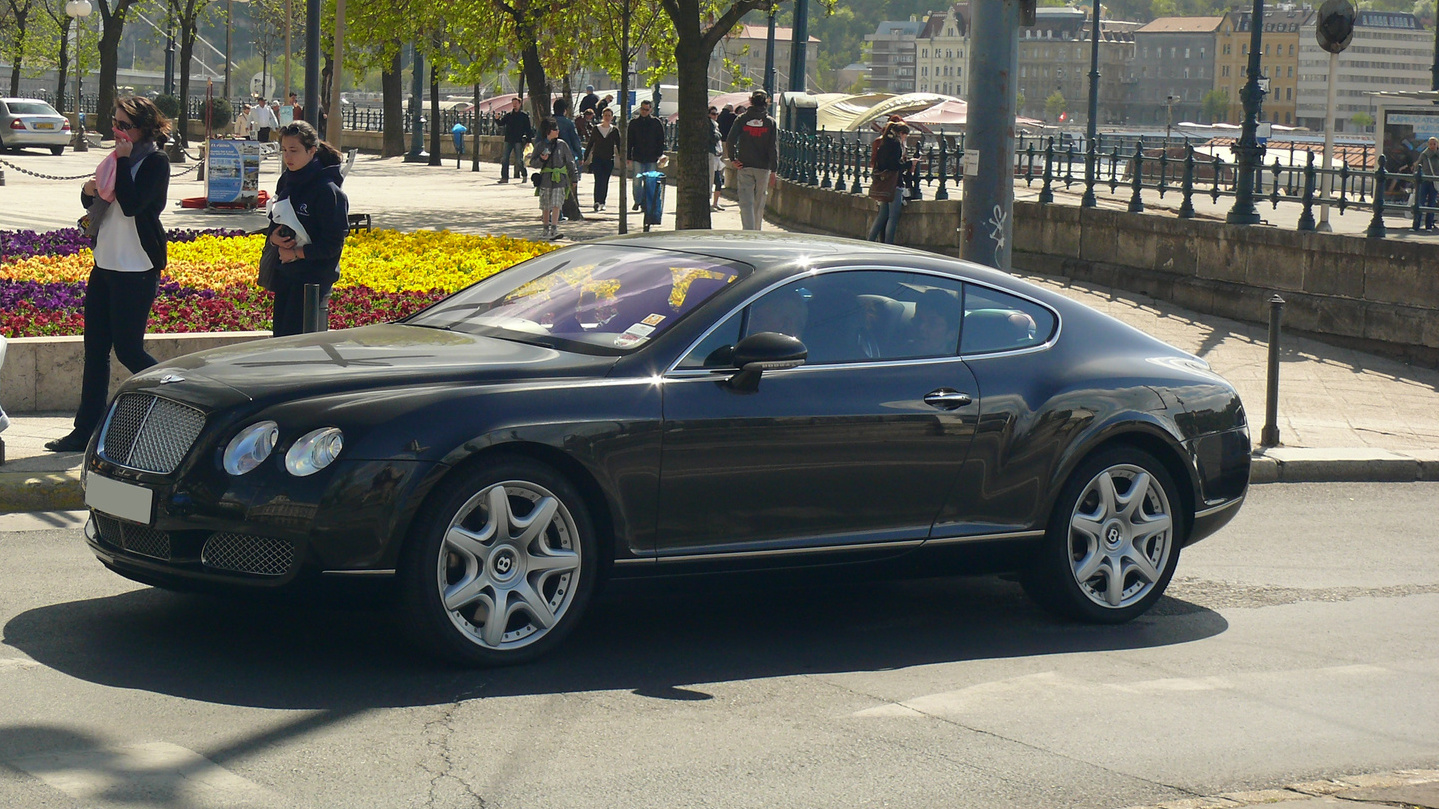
74, 442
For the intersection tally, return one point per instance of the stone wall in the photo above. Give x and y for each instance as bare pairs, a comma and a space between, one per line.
42, 374
1377, 295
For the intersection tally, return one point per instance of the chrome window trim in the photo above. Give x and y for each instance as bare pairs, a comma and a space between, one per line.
864, 546
674, 371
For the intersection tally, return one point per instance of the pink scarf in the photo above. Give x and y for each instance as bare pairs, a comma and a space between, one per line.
105, 178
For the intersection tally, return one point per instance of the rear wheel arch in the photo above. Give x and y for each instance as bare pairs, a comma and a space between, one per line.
1164, 450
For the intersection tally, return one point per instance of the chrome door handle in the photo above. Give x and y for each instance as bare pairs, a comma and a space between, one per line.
947, 399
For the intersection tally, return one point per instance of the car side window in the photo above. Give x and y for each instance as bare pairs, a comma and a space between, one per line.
848, 317
997, 321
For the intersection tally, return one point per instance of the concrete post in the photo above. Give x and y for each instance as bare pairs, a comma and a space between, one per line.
986, 223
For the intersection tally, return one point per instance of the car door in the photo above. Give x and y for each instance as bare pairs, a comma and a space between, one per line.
859, 445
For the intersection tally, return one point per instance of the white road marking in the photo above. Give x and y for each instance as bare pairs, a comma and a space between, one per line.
1033, 687
43, 521
140, 774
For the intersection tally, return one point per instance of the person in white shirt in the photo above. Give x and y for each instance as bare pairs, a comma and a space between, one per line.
262, 121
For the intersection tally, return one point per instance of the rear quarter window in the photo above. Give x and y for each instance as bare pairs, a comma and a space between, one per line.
997, 321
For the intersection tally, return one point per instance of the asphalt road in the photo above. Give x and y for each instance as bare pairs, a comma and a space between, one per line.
1297, 644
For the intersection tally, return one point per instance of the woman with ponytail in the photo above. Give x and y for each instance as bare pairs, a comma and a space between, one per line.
309, 221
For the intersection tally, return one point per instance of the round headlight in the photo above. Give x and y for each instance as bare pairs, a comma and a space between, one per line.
251, 447
314, 451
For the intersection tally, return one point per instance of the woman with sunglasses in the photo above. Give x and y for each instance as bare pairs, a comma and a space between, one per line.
129, 257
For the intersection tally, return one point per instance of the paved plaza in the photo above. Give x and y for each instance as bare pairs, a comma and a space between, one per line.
1333, 401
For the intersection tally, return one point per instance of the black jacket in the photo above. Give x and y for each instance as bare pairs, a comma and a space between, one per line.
324, 210
646, 141
890, 156
516, 124
725, 121
601, 147
144, 197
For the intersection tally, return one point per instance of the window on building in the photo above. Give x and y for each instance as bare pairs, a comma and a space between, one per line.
1172, 52
924, 53
1226, 71
1288, 96
1186, 53
1186, 72
1201, 53
1291, 71
1291, 49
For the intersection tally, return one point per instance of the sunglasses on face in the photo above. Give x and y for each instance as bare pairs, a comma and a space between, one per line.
124, 126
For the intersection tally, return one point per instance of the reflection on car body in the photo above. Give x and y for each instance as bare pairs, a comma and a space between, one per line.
677, 403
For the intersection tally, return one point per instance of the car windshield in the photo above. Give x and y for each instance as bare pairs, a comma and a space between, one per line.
606, 299
30, 108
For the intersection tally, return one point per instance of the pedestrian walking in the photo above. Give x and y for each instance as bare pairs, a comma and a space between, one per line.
297, 111
516, 126
716, 152
556, 163
644, 146
571, 136
1428, 192
130, 253
263, 121
241, 125
753, 149
726, 120
590, 101
888, 166
309, 222
600, 152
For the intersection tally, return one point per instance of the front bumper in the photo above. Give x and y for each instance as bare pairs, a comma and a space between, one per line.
262, 530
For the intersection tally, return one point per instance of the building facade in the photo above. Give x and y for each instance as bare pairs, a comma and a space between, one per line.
1173, 70
738, 62
892, 56
1054, 57
1390, 51
942, 56
1278, 62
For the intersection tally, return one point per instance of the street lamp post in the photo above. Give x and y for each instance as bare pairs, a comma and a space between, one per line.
77, 11
1248, 151
1092, 125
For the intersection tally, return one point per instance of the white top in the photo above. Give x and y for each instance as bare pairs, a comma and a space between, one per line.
117, 247
262, 118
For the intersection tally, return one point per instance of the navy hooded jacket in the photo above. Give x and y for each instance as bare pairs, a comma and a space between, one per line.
314, 192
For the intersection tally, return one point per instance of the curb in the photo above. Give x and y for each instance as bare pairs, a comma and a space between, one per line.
1403, 787
40, 491
1298, 465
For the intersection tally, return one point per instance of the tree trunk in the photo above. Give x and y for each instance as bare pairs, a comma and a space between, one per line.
109, 68
535, 77
17, 57
64, 69
187, 50
435, 120
394, 108
692, 196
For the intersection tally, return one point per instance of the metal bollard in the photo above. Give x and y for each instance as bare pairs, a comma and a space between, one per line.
1270, 436
315, 319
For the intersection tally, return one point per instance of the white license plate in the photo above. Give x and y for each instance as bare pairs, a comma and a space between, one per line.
124, 500
44, 126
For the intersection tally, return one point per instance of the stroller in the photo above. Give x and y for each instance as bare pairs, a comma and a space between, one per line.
652, 197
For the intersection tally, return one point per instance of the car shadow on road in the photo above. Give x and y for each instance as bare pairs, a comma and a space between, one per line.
659, 639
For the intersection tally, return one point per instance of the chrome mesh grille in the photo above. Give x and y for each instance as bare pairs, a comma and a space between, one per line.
242, 553
141, 539
149, 433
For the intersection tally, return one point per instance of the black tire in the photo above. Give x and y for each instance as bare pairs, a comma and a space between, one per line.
539, 576
1087, 538
57, 150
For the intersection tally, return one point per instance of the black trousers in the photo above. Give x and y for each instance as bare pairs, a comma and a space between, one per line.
290, 306
602, 169
117, 307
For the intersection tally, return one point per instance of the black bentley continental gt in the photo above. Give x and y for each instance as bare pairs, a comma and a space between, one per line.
674, 404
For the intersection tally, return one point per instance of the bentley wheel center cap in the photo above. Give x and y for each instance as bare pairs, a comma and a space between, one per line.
1113, 535
504, 563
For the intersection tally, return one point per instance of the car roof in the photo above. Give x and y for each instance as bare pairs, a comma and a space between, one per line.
18, 98
782, 253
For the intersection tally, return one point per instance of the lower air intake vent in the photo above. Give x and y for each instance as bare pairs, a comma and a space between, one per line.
242, 553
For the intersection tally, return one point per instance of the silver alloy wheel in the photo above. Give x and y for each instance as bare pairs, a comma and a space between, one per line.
1121, 535
509, 566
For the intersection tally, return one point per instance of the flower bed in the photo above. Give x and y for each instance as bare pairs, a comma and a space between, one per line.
209, 283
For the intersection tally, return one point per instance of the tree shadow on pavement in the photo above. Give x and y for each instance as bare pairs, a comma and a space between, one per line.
661, 639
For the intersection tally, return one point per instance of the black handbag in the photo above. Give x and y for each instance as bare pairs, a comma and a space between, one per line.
269, 266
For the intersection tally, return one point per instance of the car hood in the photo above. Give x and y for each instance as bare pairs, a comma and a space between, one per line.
355, 359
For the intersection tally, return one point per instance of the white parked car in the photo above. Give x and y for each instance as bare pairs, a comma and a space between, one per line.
32, 122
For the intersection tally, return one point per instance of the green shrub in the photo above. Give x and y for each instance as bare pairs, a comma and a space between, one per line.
168, 104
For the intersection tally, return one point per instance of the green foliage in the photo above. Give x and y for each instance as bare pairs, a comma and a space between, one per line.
1055, 104
168, 104
1216, 105
1362, 119
220, 114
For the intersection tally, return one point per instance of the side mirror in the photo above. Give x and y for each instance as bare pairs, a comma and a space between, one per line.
765, 351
